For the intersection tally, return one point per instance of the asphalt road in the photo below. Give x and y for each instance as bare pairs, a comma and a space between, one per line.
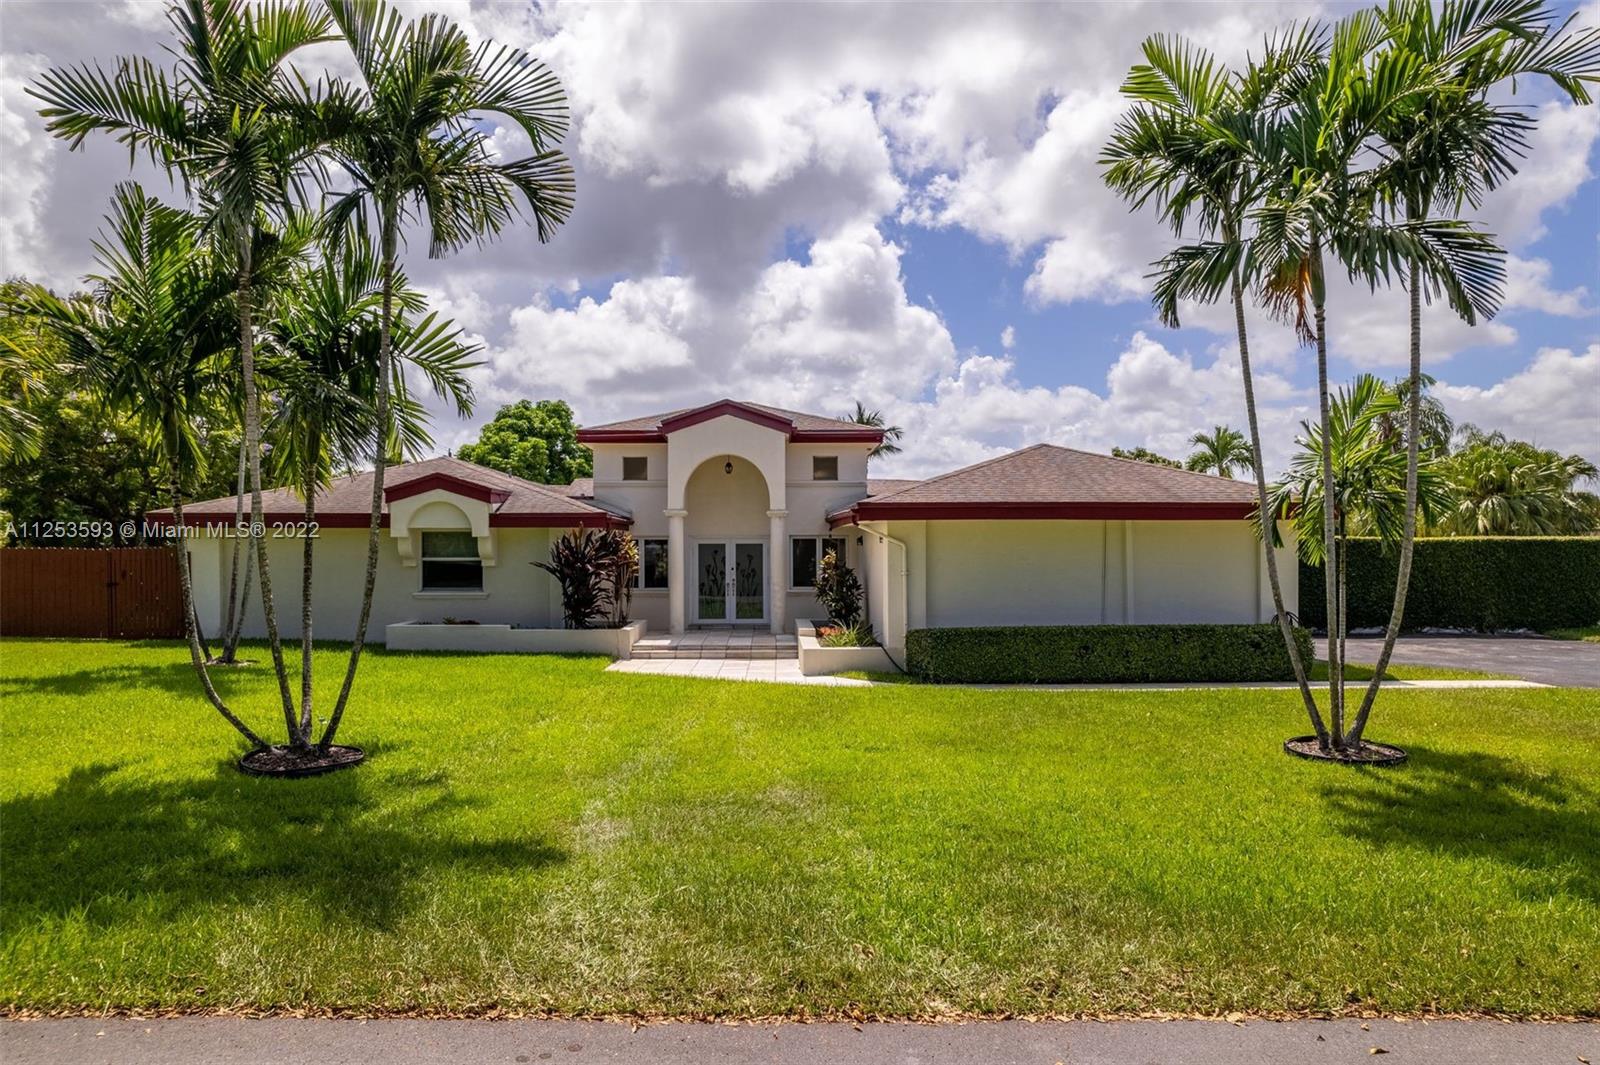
232, 1041
1565, 663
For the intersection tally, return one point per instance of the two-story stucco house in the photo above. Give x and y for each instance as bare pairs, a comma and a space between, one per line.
734, 503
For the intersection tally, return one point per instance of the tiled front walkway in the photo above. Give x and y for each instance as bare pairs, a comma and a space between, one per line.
717, 644
770, 670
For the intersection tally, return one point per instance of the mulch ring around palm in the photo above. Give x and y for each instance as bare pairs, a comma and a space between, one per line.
283, 761
1368, 753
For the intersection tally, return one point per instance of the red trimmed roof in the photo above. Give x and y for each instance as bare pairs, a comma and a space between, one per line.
654, 428
1046, 481
583, 487
347, 502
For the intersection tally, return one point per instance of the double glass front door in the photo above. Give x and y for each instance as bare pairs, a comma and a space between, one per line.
730, 581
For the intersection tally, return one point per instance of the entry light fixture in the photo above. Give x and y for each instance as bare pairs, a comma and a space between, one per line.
727, 467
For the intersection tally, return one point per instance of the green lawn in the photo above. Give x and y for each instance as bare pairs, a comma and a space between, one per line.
535, 834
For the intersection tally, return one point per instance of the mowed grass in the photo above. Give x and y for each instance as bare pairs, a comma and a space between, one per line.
532, 833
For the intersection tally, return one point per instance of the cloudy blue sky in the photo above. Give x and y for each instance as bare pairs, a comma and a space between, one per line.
810, 204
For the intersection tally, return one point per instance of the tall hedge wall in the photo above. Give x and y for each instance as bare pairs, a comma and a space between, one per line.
1477, 582
1121, 654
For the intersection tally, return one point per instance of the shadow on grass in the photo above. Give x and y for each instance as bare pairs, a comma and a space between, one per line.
176, 677
1544, 825
351, 845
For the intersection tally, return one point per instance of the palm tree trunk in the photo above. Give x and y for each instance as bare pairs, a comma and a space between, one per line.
1330, 567
244, 604
1408, 537
387, 240
230, 637
1268, 527
313, 445
186, 582
252, 443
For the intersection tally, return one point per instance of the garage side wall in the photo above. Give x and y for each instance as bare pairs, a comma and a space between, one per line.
1090, 572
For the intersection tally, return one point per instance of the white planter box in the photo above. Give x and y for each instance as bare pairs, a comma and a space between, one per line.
817, 660
503, 639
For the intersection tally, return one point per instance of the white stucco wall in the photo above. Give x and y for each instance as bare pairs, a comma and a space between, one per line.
770, 473
515, 591
965, 573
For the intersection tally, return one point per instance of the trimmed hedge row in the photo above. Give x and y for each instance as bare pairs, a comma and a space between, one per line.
1122, 654
1469, 582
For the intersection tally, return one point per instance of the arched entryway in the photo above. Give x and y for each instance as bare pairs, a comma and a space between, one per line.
728, 551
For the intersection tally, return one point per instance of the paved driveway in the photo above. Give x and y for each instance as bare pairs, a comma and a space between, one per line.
1566, 663
230, 1041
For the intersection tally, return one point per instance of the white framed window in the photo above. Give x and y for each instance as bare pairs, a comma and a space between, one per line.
805, 553
652, 564
635, 467
450, 562
824, 467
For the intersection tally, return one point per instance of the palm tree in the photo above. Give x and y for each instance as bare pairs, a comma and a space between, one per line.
1320, 203
405, 136
1370, 483
153, 338
216, 122
1183, 148
1435, 427
1221, 451
1502, 487
324, 344
1449, 148
890, 444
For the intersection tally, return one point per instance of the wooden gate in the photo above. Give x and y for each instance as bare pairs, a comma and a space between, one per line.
105, 592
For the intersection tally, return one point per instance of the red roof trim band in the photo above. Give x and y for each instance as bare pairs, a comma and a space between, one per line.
447, 483
867, 510
799, 436
194, 520
621, 436
730, 409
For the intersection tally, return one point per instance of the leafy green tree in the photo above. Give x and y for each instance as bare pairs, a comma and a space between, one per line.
85, 462
1504, 487
1220, 451
892, 434
1144, 454
534, 441
406, 134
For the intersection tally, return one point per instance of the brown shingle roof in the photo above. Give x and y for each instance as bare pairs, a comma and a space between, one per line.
801, 422
1046, 481
515, 500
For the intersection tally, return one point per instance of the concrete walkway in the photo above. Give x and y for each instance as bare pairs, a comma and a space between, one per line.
771, 670
230, 1041
1563, 663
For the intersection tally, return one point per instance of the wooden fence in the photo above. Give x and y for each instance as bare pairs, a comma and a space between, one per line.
105, 592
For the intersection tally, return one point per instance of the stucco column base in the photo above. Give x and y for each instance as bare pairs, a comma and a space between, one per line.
677, 569
778, 563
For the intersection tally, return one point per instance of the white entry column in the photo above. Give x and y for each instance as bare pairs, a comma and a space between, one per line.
778, 563
677, 569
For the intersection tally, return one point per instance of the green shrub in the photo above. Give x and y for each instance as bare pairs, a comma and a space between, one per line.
1469, 582
1086, 654
838, 591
